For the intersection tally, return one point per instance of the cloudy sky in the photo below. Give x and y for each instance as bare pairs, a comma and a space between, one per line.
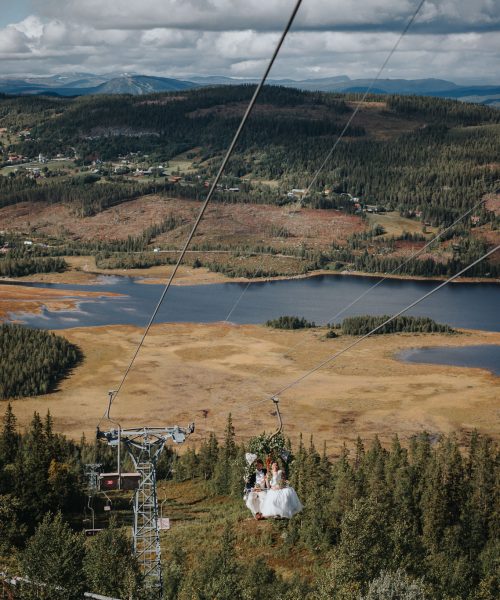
452, 39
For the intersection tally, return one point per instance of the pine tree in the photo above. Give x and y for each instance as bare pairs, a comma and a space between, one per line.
12, 530
223, 475
364, 547
174, 573
229, 448
374, 469
208, 455
482, 495
259, 581
299, 477
31, 472
345, 491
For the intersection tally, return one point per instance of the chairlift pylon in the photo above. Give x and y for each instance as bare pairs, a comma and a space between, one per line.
144, 446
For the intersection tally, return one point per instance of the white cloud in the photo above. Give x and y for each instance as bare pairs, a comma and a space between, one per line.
12, 41
32, 27
170, 38
235, 37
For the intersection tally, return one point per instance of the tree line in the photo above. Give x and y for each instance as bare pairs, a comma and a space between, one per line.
21, 267
86, 197
290, 322
361, 325
365, 254
33, 360
418, 520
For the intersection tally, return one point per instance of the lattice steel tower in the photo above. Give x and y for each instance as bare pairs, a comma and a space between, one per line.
144, 446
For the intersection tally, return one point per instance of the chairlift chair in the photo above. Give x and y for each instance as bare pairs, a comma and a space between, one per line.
90, 532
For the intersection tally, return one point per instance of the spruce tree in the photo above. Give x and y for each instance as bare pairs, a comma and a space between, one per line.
9, 438
207, 456
223, 475
174, 573
364, 547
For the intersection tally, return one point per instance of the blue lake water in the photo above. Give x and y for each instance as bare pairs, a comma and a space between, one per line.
484, 357
468, 305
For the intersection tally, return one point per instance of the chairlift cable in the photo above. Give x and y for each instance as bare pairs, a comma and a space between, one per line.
207, 200
333, 357
409, 259
363, 337
375, 329
363, 97
341, 135
370, 289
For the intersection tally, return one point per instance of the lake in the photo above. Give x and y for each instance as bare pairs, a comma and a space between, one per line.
319, 298
484, 356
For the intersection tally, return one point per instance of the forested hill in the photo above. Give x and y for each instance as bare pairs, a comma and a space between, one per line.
427, 158
400, 152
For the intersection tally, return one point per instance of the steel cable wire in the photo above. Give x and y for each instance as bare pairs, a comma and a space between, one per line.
206, 202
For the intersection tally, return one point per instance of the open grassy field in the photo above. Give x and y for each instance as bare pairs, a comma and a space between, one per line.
394, 224
183, 163
52, 165
191, 372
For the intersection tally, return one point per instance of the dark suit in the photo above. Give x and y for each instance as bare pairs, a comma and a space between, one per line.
250, 482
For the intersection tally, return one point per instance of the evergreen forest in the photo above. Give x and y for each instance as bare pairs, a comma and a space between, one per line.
415, 521
361, 325
441, 162
429, 159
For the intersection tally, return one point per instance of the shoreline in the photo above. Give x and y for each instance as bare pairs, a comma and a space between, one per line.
32, 294
20, 299
189, 276
399, 357
319, 273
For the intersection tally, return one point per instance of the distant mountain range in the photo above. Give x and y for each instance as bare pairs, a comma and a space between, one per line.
81, 84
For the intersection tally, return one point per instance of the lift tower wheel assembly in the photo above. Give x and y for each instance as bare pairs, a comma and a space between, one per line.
144, 446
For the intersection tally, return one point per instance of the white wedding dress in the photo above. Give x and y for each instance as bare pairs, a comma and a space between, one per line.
282, 502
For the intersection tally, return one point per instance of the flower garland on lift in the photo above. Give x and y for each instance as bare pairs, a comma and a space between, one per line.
269, 448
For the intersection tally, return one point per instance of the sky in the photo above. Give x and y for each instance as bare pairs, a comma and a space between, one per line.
458, 40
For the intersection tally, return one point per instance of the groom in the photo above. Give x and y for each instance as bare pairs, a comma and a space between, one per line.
255, 488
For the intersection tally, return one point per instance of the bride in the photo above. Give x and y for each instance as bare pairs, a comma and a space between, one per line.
280, 499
